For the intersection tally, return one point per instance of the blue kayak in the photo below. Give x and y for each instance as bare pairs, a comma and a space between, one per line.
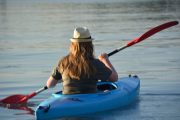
110, 95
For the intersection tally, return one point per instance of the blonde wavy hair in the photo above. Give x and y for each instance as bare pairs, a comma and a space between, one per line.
79, 61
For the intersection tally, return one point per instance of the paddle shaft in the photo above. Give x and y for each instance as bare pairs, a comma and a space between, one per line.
41, 89
146, 35
37, 92
116, 50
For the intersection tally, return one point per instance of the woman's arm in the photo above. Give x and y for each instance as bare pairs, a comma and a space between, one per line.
51, 82
104, 58
54, 78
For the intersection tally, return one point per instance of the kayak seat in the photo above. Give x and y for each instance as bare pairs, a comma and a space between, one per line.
106, 86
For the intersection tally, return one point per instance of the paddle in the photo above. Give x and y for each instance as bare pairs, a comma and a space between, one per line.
145, 35
21, 99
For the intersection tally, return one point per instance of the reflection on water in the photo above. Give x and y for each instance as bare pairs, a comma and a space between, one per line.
35, 33
23, 107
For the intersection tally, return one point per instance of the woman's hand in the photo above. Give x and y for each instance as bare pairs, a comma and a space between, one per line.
103, 58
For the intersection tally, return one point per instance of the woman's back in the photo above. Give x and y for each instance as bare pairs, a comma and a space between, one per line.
80, 70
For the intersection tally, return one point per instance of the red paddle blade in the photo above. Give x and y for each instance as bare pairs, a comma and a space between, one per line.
17, 99
21, 99
151, 32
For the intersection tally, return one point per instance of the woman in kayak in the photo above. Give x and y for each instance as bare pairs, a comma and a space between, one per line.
79, 71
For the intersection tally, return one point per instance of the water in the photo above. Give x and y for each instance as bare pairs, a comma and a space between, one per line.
35, 34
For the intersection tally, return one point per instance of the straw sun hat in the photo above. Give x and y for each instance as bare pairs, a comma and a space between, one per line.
81, 34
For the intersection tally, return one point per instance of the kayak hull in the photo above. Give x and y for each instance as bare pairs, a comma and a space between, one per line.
110, 96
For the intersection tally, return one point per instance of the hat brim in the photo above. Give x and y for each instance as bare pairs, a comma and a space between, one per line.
81, 40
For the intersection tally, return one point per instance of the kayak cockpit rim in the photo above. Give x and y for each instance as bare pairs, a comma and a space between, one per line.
101, 86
